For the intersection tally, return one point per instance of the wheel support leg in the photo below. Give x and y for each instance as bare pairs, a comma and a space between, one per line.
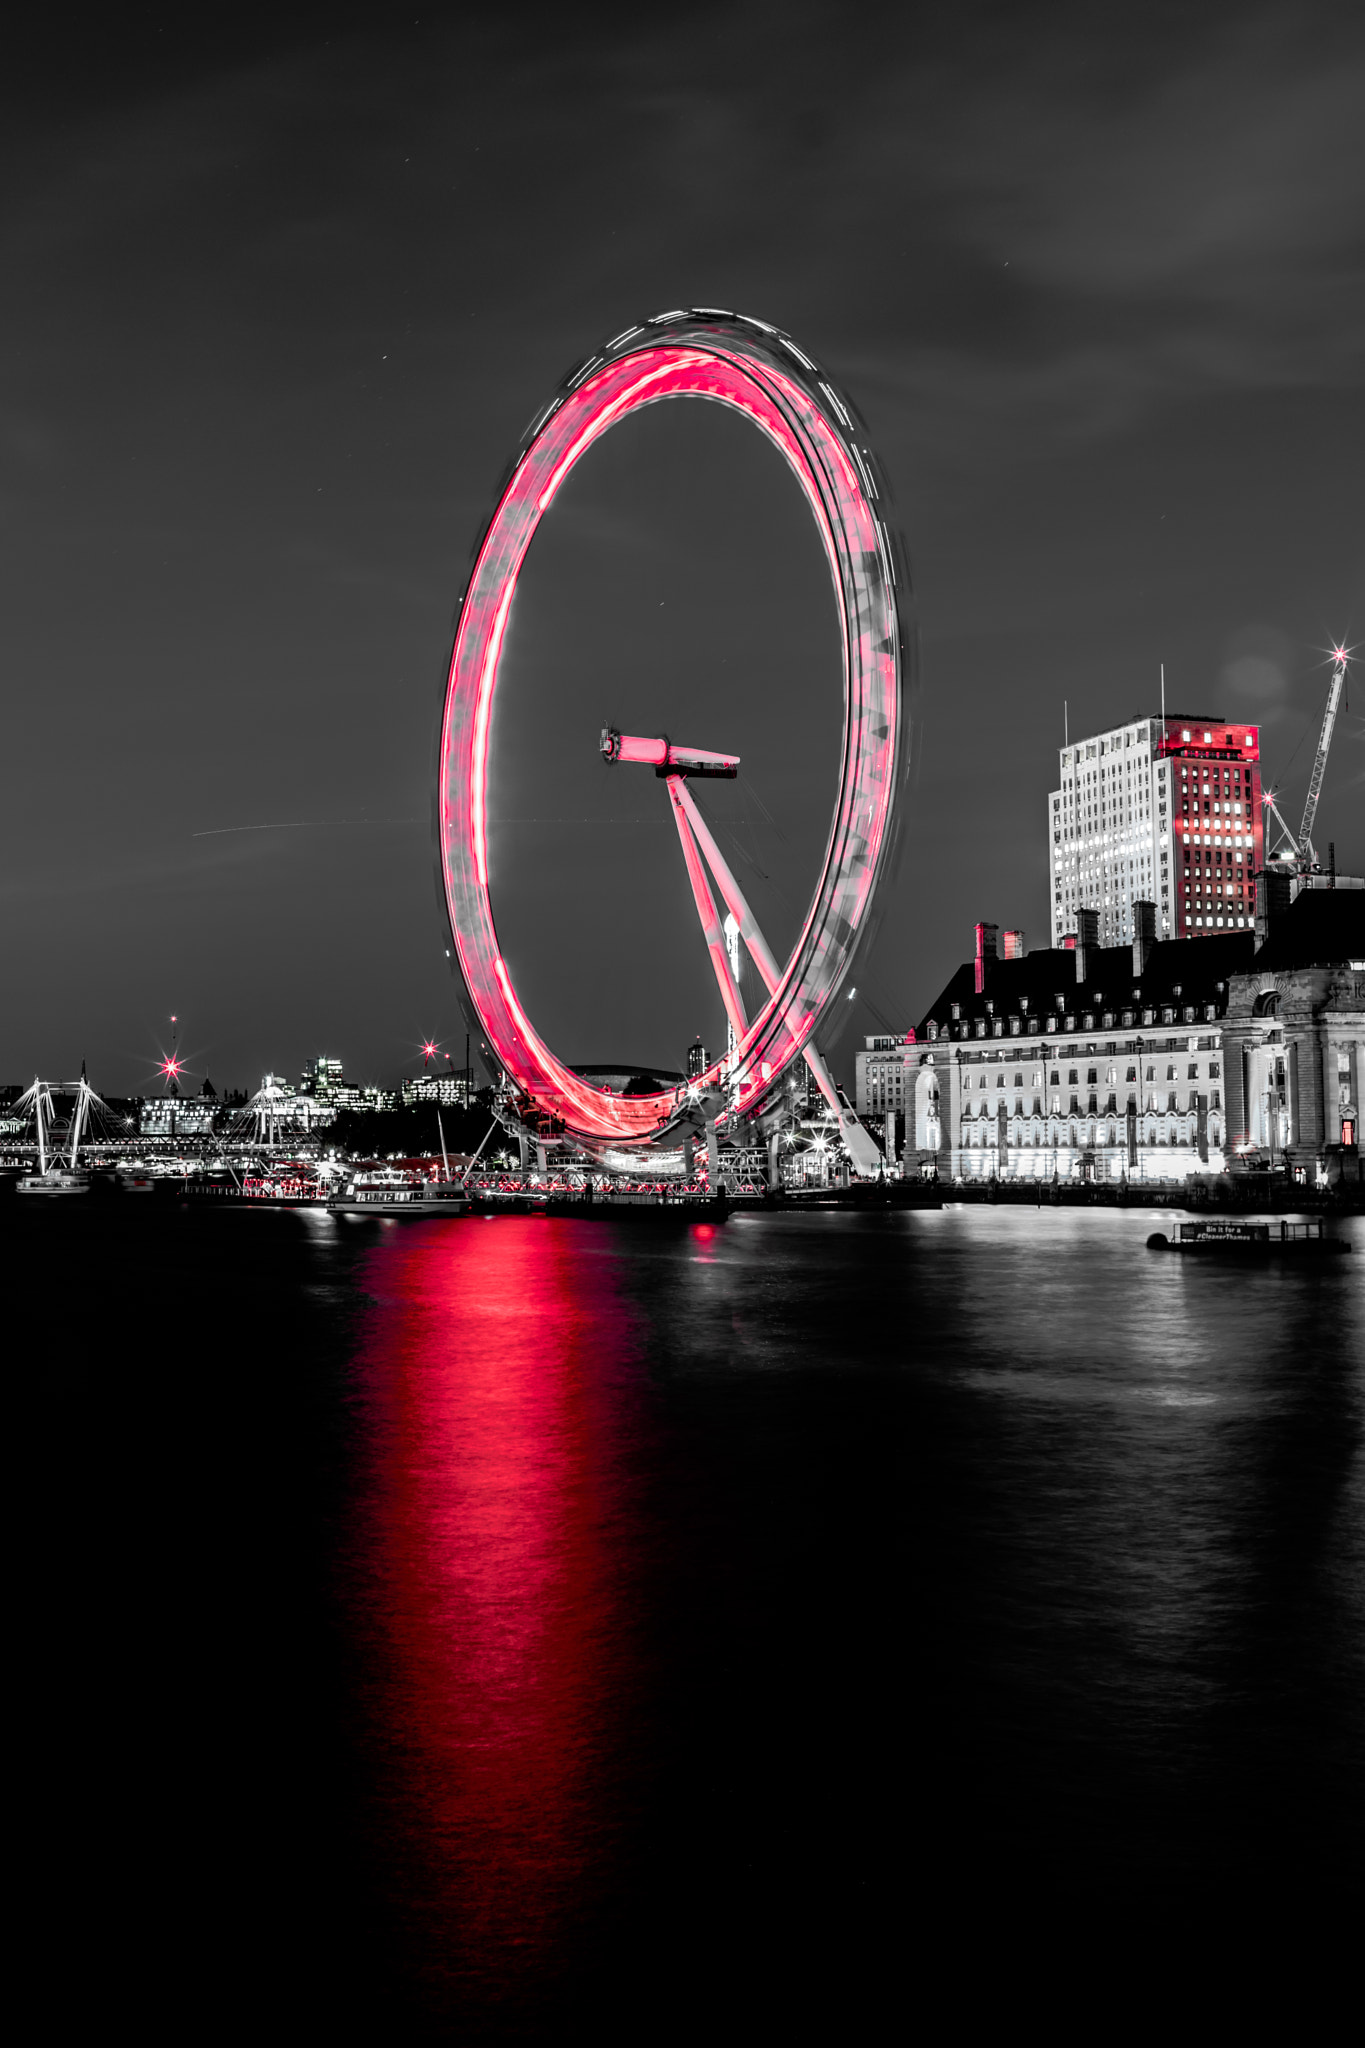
706, 909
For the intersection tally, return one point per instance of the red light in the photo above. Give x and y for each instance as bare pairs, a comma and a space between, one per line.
428, 1051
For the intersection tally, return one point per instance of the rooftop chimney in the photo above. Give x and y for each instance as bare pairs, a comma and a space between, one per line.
1014, 945
985, 953
1089, 936
1144, 935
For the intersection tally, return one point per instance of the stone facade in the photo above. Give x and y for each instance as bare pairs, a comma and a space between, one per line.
1295, 1039
1151, 1063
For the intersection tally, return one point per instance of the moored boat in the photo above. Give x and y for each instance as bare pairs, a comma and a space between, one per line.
1226, 1235
386, 1191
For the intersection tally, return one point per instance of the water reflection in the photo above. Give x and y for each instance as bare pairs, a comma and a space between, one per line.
498, 1561
698, 1570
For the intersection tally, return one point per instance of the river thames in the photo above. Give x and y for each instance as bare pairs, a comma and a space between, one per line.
470, 1629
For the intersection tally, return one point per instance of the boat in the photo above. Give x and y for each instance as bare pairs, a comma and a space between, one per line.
56, 1176
1256, 1238
387, 1191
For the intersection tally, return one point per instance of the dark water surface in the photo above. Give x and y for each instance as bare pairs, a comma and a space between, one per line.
477, 1629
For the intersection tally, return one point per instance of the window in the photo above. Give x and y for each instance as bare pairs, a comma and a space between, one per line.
1131, 1074
1214, 1070
1055, 1079
1170, 1073
1193, 1072
1092, 1075
1072, 1078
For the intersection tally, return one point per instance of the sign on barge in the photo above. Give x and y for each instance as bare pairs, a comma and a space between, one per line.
1263, 1238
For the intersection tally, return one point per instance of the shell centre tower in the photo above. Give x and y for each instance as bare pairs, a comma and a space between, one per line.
1165, 811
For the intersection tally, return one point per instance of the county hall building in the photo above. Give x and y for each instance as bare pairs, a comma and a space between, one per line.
1154, 1061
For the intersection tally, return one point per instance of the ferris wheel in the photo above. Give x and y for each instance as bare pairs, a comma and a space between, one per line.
759, 372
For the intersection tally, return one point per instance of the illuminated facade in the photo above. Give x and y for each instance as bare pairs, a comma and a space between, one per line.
1152, 1062
179, 1116
884, 1084
322, 1079
1168, 813
1098, 1063
447, 1090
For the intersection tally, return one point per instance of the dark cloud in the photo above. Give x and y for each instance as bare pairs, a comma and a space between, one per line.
280, 298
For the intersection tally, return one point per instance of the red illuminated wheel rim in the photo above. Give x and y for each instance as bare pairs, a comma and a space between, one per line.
759, 372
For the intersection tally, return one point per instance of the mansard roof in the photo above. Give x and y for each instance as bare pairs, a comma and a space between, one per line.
1321, 928
1044, 982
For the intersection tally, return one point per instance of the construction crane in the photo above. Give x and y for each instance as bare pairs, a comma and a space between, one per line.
1300, 853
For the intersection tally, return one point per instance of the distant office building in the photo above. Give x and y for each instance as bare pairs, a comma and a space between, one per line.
322, 1079
884, 1074
696, 1060
323, 1084
179, 1116
1164, 813
348, 1096
445, 1089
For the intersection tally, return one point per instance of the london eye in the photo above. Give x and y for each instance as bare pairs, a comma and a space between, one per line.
759, 372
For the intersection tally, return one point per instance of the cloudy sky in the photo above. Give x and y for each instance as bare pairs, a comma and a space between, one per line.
278, 305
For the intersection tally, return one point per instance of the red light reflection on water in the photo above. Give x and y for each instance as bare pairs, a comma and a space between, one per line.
489, 1372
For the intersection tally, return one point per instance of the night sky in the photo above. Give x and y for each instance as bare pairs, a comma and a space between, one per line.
277, 306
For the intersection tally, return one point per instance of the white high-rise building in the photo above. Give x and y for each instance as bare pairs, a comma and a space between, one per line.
1169, 815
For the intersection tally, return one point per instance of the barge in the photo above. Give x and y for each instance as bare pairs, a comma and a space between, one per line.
1257, 1238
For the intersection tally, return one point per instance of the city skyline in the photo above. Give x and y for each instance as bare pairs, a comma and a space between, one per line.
242, 493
